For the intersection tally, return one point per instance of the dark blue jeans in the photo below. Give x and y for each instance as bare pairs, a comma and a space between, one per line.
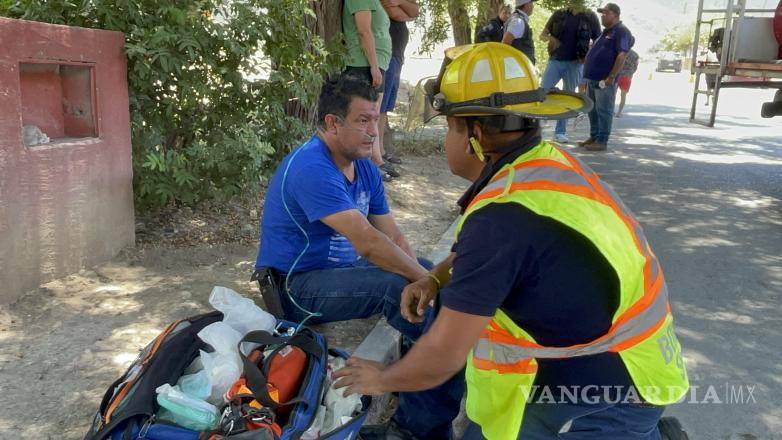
604, 421
601, 117
364, 290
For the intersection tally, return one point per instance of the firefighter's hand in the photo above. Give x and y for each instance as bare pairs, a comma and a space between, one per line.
360, 376
416, 297
377, 76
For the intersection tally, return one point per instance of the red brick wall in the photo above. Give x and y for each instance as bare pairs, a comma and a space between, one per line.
68, 204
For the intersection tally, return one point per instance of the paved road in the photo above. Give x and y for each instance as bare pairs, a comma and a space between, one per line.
709, 200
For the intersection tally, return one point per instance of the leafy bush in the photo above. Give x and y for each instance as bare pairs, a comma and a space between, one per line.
211, 86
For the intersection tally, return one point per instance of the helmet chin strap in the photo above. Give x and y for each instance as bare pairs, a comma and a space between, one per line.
532, 131
476, 146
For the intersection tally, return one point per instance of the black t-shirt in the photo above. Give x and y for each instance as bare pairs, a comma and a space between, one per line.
400, 35
564, 25
550, 279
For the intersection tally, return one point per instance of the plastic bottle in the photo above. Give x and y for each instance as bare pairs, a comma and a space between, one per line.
184, 410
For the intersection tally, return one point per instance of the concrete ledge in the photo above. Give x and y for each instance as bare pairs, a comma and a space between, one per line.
382, 343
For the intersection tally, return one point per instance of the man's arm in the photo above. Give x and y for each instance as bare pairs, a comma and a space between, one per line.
364, 29
410, 7
515, 29
622, 46
417, 296
620, 60
443, 350
546, 34
400, 10
386, 224
374, 245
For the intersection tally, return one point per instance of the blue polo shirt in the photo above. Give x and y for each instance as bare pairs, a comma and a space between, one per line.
314, 188
549, 279
601, 57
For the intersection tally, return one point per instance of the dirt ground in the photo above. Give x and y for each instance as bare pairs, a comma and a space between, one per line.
61, 345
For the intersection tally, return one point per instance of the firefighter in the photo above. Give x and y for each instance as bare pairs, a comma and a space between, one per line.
552, 296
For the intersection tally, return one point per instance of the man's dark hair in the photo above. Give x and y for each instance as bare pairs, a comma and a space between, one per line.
336, 95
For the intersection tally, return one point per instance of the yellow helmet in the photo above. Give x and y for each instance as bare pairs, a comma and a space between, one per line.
496, 79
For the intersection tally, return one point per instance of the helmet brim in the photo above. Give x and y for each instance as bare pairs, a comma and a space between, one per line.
557, 105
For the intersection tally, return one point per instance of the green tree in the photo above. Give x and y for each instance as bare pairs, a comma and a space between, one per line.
211, 86
680, 40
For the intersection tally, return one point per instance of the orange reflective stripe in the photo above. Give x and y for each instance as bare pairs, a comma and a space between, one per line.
503, 337
648, 298
525, 366
624, 345
609, 200
535, 163
544, 185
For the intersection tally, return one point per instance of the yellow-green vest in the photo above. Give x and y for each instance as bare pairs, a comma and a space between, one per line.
501, 367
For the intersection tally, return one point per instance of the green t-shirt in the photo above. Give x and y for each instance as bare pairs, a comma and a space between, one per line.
380, 24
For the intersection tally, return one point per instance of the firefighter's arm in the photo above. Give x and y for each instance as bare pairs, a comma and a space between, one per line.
436, 357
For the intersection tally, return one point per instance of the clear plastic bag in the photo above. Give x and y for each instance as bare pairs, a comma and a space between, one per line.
221, 336
223, 370
196, 385
339, 408
241, 313
184, 410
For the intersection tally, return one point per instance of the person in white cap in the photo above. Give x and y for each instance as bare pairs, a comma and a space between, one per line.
517, 29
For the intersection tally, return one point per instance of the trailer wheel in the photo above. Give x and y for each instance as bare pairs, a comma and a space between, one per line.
778, 96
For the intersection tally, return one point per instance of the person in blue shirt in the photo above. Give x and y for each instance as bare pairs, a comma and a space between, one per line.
603, 63
326, 225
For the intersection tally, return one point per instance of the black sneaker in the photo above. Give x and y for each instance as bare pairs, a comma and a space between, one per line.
393, 159
389, 169
385, 176
386, 431
671, 429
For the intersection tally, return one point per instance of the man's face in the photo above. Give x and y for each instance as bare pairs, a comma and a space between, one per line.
457, 151
357, 132
608, 18
528, 8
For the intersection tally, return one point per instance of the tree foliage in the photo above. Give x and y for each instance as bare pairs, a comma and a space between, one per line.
680, 40
462, 17
210, 84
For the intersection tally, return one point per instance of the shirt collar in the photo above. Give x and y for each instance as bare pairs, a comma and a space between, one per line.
528, 141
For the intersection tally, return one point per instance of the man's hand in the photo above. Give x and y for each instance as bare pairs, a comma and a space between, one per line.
360, 376
609, 81
389, 3
416, 297
377, 76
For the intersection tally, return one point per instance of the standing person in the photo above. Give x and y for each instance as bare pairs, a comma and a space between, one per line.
518, 32
495, 28
625, 78
551, 288
603, 62
365, 25
400, 12
569, 33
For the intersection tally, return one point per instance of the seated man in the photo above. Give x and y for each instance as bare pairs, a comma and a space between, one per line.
333, 245
327, 231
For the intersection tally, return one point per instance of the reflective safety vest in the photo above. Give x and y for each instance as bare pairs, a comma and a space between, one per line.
502, 365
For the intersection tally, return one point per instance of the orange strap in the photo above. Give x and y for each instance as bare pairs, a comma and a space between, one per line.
525, 366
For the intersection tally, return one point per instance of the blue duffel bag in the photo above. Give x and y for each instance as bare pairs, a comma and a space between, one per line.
127, 411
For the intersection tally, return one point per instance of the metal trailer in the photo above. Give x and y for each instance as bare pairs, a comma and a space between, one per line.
766, 73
